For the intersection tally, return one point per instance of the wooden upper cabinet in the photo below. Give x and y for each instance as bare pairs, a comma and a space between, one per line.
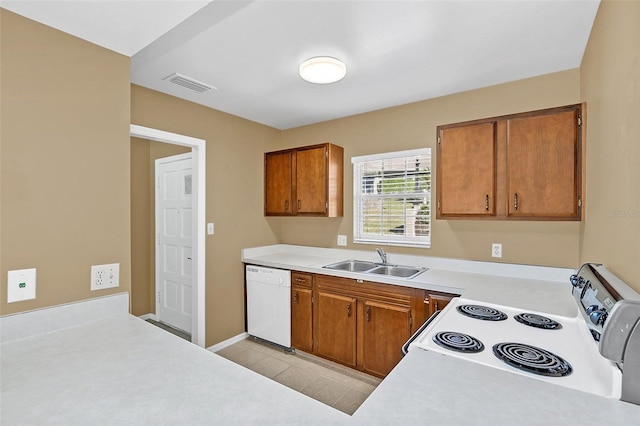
524, 166
466, 185
309, 184
542, 166
278, 183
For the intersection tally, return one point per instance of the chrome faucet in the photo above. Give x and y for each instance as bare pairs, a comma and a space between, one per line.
382, 255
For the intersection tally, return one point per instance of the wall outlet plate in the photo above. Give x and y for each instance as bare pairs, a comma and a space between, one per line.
105, 276
496, 250
342, 240
21, 285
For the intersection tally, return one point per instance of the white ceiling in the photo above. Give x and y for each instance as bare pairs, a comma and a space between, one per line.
396, 51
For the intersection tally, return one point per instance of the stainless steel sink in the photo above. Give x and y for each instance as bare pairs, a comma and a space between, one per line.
398, 271
352, 266
362, 266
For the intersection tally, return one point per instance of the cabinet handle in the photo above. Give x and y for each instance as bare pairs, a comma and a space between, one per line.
301, 280
348, 309
286, 205
515, 201
368, 313
295, 298
437, 306
486, 202
299, 204
426, 300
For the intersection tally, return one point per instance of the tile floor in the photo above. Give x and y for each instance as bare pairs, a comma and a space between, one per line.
339, 387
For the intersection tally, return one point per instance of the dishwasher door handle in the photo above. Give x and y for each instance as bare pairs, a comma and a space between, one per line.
405, 347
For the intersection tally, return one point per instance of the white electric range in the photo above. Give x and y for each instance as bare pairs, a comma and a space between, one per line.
592, 352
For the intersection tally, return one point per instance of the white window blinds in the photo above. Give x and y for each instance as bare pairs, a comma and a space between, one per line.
392, 198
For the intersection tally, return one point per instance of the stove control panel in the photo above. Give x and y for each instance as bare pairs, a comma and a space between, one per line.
595, 296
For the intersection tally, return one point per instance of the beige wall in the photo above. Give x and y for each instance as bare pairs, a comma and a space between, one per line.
610, 75
235, 150
64, 161
414, 126
141, 236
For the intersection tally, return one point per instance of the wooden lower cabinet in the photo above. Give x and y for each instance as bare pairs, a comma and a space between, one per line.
302, 311
436, 301
385, 329
357, 323
361, 324
335, 335
301, 318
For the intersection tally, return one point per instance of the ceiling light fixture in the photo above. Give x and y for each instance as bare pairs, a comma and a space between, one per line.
322, 70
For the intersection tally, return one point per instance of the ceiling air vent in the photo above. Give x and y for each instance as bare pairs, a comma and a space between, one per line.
188, 83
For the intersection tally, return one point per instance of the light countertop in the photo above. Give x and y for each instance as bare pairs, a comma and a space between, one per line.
121, 370
431, 388
499, 283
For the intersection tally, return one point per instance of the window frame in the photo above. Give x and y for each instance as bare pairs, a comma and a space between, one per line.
359, 237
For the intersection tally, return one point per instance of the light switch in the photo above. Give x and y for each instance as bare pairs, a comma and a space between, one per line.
342, 240
210, 228
21, 285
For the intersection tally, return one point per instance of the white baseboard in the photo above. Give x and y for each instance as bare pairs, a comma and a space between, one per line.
228, 342
148, 316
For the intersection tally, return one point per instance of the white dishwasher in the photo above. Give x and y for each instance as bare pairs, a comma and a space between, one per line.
269, 304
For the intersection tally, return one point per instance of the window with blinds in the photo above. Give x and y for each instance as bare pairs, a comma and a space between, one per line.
392, 198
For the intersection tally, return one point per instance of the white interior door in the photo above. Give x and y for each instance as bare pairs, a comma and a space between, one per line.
174, 262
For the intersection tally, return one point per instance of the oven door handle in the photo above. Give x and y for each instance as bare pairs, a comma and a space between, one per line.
405, 347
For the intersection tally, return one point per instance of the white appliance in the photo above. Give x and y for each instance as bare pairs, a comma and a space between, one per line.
595, 352
269, 304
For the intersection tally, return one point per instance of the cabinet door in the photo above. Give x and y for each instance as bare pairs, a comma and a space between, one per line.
542, 165
385, 329
311, 180
436, 302
336, 327
277, 186
466, 170
301, 318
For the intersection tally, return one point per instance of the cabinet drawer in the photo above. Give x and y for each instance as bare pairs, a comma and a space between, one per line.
301, 279
366, 289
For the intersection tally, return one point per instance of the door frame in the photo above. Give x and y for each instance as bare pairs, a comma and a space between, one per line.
198, 150
158, 262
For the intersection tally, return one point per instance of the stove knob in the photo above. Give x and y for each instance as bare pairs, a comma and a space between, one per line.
576, 281
598, 316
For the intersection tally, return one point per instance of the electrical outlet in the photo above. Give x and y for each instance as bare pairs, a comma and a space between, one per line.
21, 285
496, 250
105, 276
342, 240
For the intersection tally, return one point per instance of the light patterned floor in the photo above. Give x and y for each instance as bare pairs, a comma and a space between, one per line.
339, 387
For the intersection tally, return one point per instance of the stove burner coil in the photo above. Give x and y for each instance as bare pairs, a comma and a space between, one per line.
482, 312
532, 359
458, 342
538, 321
